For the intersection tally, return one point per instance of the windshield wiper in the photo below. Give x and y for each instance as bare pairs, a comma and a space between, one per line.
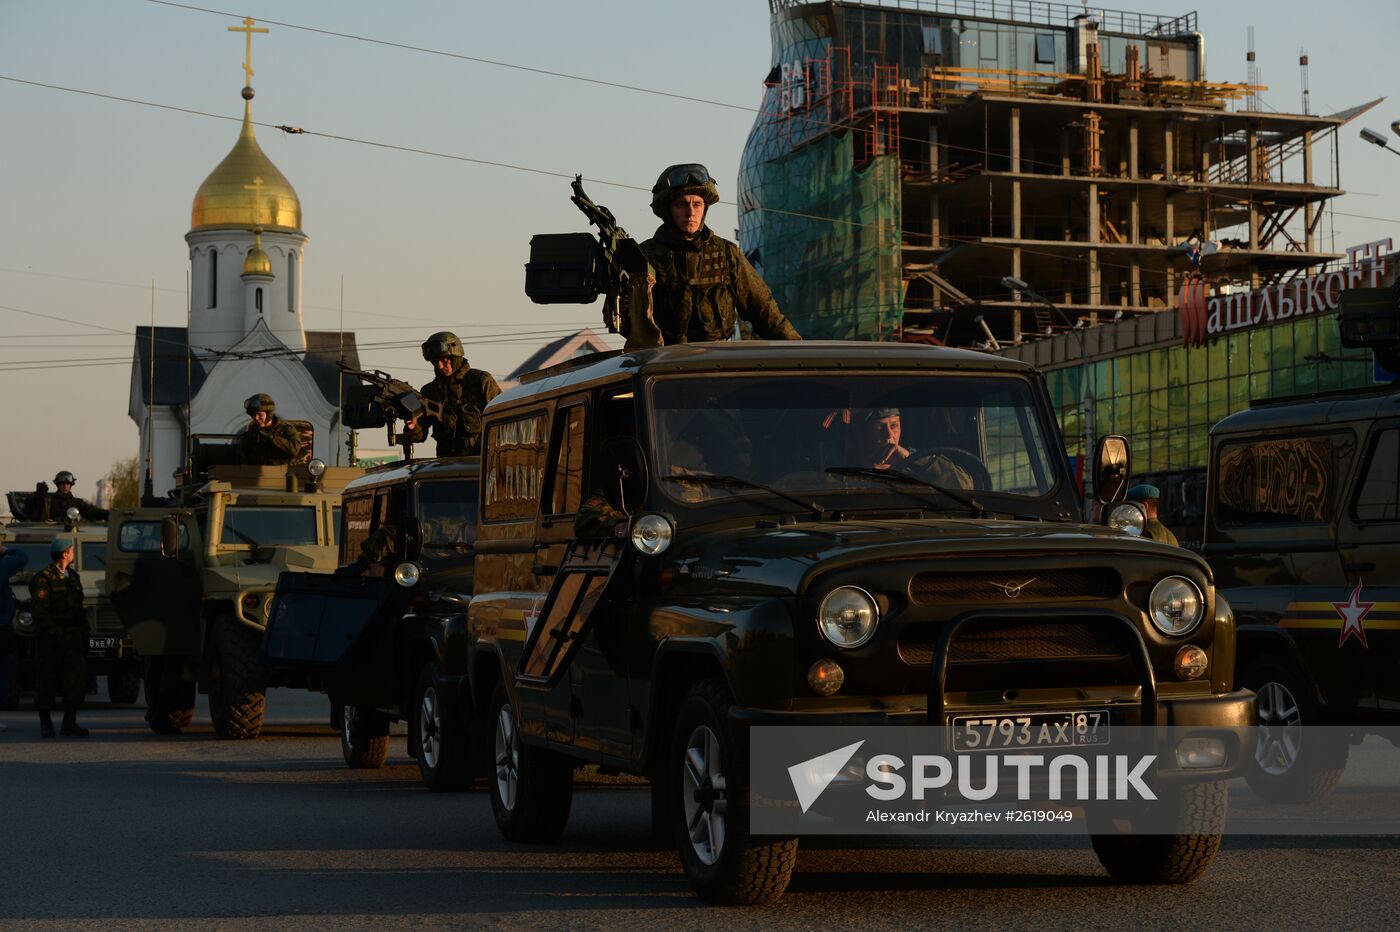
714, 479
893, 475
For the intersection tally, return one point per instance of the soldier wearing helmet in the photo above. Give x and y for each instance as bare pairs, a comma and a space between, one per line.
267, 440
461, 390
53, 506
703, 282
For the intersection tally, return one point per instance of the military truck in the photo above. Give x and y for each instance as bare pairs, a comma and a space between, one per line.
384, 636
192, 582
679, 543
110, 654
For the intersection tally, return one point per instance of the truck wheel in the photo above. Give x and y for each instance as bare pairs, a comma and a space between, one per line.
237, 696
169, 696
531, 789
439, 732
1296, 759
1168, 859
710, 808
124, 688
364, 738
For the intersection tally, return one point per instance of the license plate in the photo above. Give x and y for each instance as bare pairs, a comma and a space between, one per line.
103, 643
1077, 728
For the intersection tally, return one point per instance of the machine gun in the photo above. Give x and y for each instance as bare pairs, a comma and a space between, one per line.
382, 401
574, 268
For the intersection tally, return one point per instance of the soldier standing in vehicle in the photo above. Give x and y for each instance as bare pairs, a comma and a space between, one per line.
60, 639
267, 440
53, 506
1149, 496
461, 390
703, 282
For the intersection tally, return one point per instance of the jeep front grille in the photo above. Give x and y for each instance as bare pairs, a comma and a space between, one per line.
1015, 640
934, 588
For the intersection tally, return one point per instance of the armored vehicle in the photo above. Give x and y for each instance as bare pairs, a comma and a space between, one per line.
192, 583
1303, 529
110, 652
384, 636
679, 543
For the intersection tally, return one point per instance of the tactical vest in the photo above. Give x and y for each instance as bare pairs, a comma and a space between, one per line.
693, 300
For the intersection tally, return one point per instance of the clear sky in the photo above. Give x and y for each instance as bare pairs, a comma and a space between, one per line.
95, 194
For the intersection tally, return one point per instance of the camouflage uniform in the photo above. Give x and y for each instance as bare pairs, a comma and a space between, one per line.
704, 285
598, 519
462, 395
277, 444
60, 637
1156, 530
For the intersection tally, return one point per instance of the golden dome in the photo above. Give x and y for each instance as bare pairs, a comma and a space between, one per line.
246, 190
257, 262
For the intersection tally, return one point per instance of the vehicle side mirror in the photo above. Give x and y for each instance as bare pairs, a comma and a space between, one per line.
169, 536
625, 455
1111, 469
412, 538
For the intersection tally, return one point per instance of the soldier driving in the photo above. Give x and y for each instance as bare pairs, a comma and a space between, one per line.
267, 440
53, 506
703, 282
879, 437
461, 390
60, 639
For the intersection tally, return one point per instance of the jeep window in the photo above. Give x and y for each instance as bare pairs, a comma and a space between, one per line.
447, 509
513, 468
1287, 480
566, 474
144, 537
793, 433
357, 514
335, 524
94, 555
269, 525
1379, 497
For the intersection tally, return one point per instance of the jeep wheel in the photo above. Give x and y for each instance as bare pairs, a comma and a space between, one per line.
1167, 859
440, 734
1296, 758
364, 738
531, 789
710, 808
237, 696
124, 688
169, 696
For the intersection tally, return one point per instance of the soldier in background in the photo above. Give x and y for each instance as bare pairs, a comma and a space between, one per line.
703, 283
60, 639
267, 440
53, 506
1149, 496
11, 563
461, 390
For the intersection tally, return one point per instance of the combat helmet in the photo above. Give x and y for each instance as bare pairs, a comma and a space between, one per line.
680, 180
260, 402
64, 475
443, 343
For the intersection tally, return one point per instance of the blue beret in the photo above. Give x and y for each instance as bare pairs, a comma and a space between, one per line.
59, 544
1143, 493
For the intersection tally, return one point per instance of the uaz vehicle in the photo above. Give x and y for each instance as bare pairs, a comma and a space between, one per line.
817, 534
193, 583
384, 636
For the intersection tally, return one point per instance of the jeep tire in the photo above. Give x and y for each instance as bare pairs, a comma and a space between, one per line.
708, 789
1167, 859
169, 696
1296, 759
438, 731
364, 738
531, 789
237, 694
124, 688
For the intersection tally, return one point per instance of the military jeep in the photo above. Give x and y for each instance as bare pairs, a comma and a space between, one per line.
679, 543
384, 636
192, 582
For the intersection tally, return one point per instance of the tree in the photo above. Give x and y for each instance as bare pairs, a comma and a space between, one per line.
125, 487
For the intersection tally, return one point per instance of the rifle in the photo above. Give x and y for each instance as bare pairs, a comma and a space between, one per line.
385, 400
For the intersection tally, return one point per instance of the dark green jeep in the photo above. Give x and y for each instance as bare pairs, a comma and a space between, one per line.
678, 543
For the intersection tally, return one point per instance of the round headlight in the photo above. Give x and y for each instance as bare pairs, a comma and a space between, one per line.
72, 514
24, 619
1176, 606
407, 574
1127, 517
651, 534
848, 616
316, 468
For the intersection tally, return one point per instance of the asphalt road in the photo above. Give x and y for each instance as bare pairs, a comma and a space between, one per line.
126, 829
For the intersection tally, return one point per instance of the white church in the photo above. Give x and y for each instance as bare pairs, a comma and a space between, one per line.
245, 332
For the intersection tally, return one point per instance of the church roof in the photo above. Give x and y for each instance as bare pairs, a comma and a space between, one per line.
559, 350
246, 190
173, 361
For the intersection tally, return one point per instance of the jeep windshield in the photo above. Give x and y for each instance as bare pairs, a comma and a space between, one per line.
447, 509
270, 525
929, 441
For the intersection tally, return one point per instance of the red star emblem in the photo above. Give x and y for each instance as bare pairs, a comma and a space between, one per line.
1353, 610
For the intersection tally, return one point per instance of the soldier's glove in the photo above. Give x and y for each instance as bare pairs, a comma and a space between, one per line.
41, 488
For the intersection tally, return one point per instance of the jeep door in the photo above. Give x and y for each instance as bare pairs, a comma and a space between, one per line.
156, 595
1369, 542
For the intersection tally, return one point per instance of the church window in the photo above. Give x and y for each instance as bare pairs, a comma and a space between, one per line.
292, 281
213, 278
257, 299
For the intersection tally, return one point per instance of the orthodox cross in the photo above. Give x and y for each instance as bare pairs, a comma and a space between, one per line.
256, 187
248, 29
